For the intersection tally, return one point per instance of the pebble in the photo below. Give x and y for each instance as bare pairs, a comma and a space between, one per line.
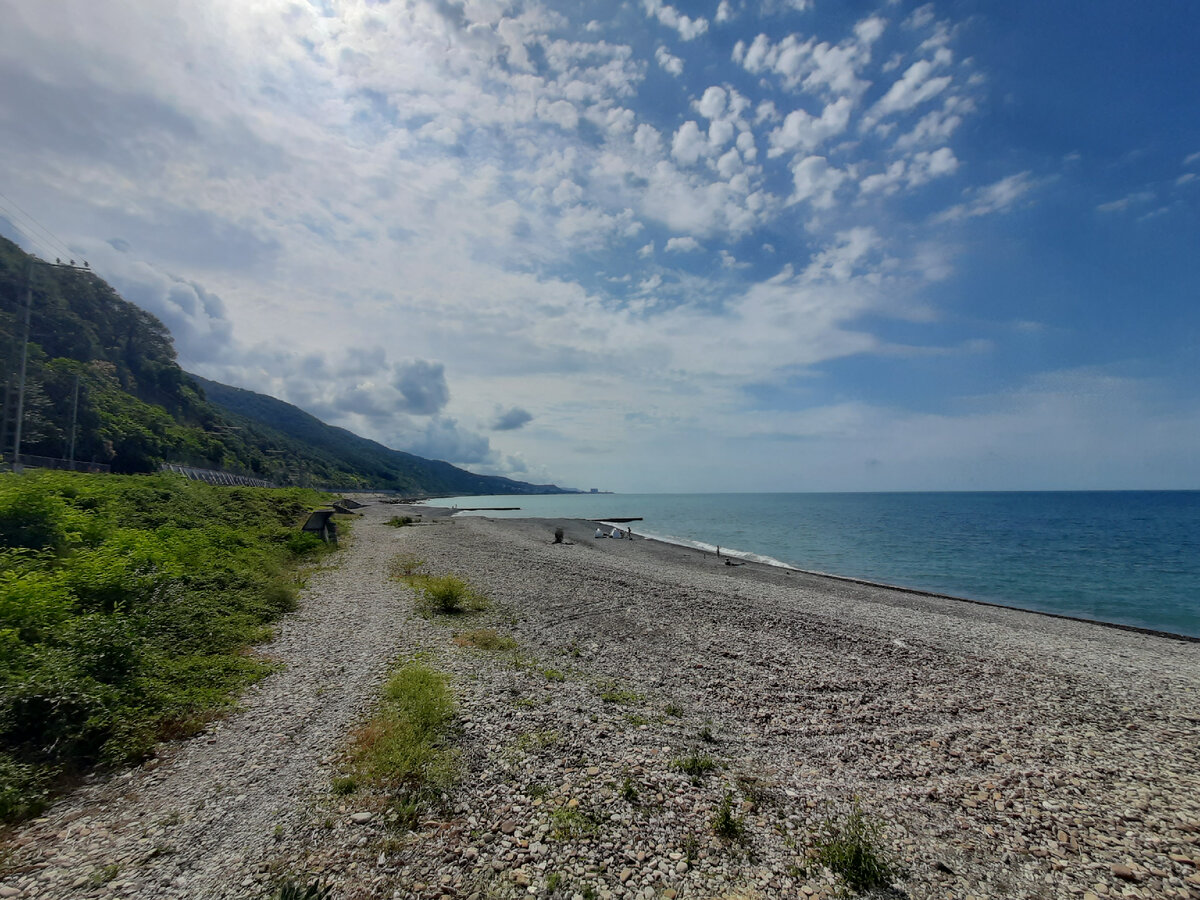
995, 742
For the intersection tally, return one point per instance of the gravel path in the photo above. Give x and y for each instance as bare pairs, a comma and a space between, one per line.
200, 819
1008, 754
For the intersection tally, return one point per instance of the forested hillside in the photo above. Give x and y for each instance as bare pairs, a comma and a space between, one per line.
109, 366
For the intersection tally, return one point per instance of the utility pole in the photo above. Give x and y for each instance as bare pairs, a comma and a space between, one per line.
57, 264
74, 420
16, 464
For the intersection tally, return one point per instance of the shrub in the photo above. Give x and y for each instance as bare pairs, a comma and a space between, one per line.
125, 607
694, 765
852, 850
315, 890
446, 594
31, 517
725, 824
400, 521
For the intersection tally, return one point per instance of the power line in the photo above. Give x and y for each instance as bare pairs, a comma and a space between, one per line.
45, 231
35, 243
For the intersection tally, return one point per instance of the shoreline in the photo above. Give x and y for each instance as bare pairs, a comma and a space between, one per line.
748, 557
1006, 752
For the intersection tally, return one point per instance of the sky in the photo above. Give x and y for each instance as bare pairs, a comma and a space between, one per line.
784, 245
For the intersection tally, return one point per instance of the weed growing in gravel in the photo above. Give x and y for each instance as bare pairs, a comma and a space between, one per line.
485, 639
695, 765
446, 594
569, 822
404, 744
611, 692
629, 791
706, 734
553, 674
725, 824
105, 874
674, 710
553, 880
852, 849
400, 521
315, 890
537, 740
345, 784
406, 565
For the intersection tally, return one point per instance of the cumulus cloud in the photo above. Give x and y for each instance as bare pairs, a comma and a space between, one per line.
815, 66
671, 64
916, 86
912, 172
806, 132
816, 181
511, 419
682, 245
669, 16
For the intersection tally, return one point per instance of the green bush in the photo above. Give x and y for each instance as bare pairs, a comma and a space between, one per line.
125, 607
852, 849
725, 824
446, 594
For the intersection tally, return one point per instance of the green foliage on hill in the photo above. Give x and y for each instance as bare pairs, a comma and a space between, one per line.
137, 408
126, 604
284, 425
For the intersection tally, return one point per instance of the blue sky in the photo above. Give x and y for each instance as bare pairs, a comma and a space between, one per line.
720, 245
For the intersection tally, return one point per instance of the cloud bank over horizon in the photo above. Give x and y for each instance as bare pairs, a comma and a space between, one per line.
799, 247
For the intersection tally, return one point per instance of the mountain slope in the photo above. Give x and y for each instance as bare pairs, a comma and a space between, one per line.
275, 419
99, 362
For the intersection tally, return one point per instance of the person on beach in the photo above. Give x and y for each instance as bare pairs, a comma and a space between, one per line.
600, 533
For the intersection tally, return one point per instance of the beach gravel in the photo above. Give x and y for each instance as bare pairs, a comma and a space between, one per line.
653, 694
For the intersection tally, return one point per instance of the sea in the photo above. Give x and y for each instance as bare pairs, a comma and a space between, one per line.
1125, 557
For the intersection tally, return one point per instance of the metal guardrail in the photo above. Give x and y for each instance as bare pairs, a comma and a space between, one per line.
214, 476
30, 461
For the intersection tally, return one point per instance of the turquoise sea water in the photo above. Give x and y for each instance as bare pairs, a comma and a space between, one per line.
1131, 557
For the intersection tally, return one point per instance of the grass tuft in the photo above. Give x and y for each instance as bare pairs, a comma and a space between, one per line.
485, 639
725, 824
404, 744
446, 594
852, 849
695, 765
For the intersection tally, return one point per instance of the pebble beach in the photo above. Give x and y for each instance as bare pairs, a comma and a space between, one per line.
1003, 753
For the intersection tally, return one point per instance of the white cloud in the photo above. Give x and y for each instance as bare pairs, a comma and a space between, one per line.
801, 130
712, 104
815, 66
1191, 158
671, 64
999, 196
669, 16
913, 88
689, 143
685, 244
725, 12
815, 181
1134, 198
936, 127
